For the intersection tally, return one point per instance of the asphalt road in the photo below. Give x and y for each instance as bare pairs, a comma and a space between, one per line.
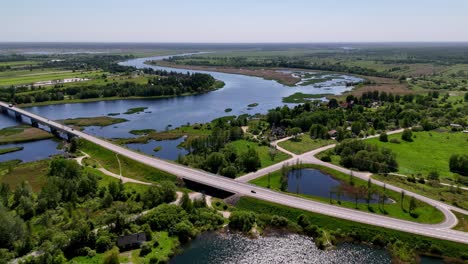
441, 230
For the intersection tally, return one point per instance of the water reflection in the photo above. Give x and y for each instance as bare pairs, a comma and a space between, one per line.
217, 248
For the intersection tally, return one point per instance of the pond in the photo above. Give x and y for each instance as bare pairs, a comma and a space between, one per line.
214, 248
316, 183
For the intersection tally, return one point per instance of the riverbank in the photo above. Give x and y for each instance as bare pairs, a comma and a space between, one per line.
405, 247
278, 74
268, 74
218, 85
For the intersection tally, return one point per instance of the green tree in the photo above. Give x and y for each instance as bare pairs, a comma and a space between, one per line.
229, 171
318, 131
111, 256
250, 160
295, 131
214, 162
407, 135
242, 220
184, 231
412, 204
186, 203
272, 152
383, 137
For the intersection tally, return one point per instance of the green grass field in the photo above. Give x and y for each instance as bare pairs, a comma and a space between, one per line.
130, 168
462, 222
429, 151
424, 212
33, 172
243, 145
304, 144
28, 77
14, 64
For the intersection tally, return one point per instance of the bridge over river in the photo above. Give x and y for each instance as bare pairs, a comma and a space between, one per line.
442, 230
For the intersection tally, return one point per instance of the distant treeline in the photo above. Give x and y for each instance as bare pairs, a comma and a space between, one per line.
86, 62
162, 84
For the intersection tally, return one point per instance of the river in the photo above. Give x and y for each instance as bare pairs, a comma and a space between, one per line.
213, 248
239, 91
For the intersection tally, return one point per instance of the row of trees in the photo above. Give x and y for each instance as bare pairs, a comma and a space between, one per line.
169, 84
366, 157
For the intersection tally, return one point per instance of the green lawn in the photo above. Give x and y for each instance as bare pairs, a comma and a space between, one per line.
462, 222
424, 213
242, 146
130, 168
428, 151
304, 144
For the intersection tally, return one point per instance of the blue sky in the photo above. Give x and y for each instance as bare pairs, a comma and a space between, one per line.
233, 21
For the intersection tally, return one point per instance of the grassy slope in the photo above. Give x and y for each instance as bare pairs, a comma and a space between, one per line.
130, 168
429, 151
364, 232
242, 145
439, 192
426, 213
304, 143
462, 222
33, 172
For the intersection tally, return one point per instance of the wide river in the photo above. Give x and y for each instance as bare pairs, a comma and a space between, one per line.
238, 92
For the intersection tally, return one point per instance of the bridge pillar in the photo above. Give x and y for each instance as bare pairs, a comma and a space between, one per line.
34, 123
70, 136
54, 131
4, 110
18, 116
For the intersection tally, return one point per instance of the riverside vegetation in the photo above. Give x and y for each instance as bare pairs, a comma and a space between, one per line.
106, 79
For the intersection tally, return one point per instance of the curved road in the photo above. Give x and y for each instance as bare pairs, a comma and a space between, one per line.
441, 230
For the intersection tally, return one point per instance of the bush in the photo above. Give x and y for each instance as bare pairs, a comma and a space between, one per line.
103, 243
326, 158
145, 249
242, 220
407, 135
111, 256
395, 141
383, 137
